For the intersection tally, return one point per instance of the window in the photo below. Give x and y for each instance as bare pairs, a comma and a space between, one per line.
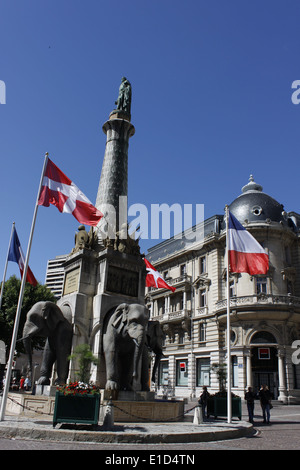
261, 285
163, 373
181, 337
296, 376
231, 289
203, 265
203, 372
202, 332
182, 372
183, 270
263, 337
289, 287
202, 297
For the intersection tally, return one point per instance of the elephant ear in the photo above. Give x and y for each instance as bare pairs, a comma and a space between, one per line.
120, 317
52, 315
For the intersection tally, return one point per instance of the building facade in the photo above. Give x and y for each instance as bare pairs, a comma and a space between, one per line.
264, 310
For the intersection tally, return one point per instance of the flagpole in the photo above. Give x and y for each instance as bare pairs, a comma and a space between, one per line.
21, 295
5, 268
229, 402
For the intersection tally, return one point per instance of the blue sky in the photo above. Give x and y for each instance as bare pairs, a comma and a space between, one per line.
211, 84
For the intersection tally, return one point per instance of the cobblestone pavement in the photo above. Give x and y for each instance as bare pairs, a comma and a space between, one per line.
282, 434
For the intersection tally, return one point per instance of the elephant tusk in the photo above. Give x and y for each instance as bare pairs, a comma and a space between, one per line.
135, 342
24, 337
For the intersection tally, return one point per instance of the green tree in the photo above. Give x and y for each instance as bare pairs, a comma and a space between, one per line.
9, 307
85, 358
221, 372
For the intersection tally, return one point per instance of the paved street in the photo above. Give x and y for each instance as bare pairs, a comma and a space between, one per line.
282, 434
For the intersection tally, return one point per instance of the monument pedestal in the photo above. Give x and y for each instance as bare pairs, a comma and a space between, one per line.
146, 411
126, 395
46, 390
95, 283
121, 280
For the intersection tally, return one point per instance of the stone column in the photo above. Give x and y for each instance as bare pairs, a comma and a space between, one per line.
114, 176
151, 309
282, 377
172, 372
184, 300
249, 377
192, 375
167, 304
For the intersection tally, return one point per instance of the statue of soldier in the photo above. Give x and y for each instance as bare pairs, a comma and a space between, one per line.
124, 99
82, 239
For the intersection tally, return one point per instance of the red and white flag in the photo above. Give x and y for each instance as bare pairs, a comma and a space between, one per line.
155, 279
59, 190
246, 255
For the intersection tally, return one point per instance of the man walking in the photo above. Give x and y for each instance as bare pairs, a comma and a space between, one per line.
265, 402
249, 397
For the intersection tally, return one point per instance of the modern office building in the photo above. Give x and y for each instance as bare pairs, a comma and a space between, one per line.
55, 275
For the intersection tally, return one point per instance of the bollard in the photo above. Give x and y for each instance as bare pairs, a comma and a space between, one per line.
108, 421
198, 415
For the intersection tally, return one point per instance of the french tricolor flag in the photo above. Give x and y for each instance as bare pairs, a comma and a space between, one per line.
15, 253
246, 255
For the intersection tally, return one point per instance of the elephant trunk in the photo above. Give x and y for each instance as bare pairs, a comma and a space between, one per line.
158, 357
139, 344
29, 330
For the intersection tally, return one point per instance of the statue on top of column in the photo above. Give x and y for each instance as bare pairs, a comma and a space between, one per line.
124, 99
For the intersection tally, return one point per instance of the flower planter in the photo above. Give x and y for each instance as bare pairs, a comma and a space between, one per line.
83, 409
217, 406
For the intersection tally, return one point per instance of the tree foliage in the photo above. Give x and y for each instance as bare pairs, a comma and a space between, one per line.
9, 307
85, 358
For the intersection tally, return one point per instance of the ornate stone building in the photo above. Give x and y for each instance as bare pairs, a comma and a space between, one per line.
265, 310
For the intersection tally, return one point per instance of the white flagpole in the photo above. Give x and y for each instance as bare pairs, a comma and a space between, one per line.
229, 407
5, 268
21, 295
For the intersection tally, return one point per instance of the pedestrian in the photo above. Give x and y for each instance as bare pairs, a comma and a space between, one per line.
203, 401
22, 380
249, 397
265, 402
14, 384
27, 383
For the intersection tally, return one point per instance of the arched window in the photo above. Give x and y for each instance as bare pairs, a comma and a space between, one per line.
263, 337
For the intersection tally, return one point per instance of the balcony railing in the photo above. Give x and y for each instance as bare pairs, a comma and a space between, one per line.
259, 299
173, 316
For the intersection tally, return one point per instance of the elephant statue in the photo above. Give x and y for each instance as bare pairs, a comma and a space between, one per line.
47, 320
154, 341
124, 336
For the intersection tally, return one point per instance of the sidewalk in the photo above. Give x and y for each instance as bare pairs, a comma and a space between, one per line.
41, 427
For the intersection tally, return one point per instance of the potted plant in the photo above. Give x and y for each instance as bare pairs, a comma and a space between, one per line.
79, 401
217, 403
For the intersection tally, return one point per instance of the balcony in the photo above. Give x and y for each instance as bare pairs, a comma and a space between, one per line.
259, 300
173, 316
184, 279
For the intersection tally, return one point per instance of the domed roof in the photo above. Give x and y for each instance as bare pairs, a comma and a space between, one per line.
254, 205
